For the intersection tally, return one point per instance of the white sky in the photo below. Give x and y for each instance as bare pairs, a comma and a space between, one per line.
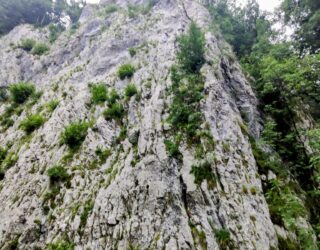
268, 5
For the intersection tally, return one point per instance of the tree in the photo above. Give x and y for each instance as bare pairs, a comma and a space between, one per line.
191, 49
36, 12
241, 27
304, 16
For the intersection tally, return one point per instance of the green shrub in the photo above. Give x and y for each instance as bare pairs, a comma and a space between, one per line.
113, 97
3, 94
102, 154
111, 8
126, 71
130, 90
74, 134
52, 105
9, 161
132, 52
58, 174
223, 237
172, 149
54, 31
27, 44
191, 49
115, 112
32, 123
99, 93
61, 245
85, 213
20, 92
203, 172
40, 49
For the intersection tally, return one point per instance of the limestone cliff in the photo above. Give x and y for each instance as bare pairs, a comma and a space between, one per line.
138, 197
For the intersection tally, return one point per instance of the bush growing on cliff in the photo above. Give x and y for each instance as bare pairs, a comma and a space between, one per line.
32, 123
40, 49
58, 174
115, 112
191, 49
27, 44
130, 90
203, 172
20, 92
172, 149
113, 97
223, 237
126, 71
99, 93
74, 134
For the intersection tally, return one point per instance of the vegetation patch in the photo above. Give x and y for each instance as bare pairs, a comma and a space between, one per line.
74, 134
113, 97
54, 32
173, 149
130, 90
20, 92
32, 123
223, 238
203, 172
27, 44
126, 71
52, 105
85, 213
109, 9
58, 174
63, 244
115, 112
99, 93
40, 49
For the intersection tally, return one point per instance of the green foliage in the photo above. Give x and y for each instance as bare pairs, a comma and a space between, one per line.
3, 94
116, 112
242, 27
9, 161
172, 149
284, 204
54, 32
113, 97
32, 123
20, 92
14, 243
287, 244
52, 105
109, 9
132, 51
58, 174
99, 93
126, 71
203, 172
130, 90
184, 112
61, 245
304, 17
191, 49
223, 237
36, 12
27, 44
102, 154
85, 213
74, 134
40, 49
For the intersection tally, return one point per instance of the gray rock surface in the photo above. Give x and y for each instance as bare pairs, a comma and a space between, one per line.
150, 204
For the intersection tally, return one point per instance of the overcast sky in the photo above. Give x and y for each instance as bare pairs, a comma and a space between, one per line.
268, 5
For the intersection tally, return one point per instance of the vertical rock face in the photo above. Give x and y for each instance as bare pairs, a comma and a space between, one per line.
140, 197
